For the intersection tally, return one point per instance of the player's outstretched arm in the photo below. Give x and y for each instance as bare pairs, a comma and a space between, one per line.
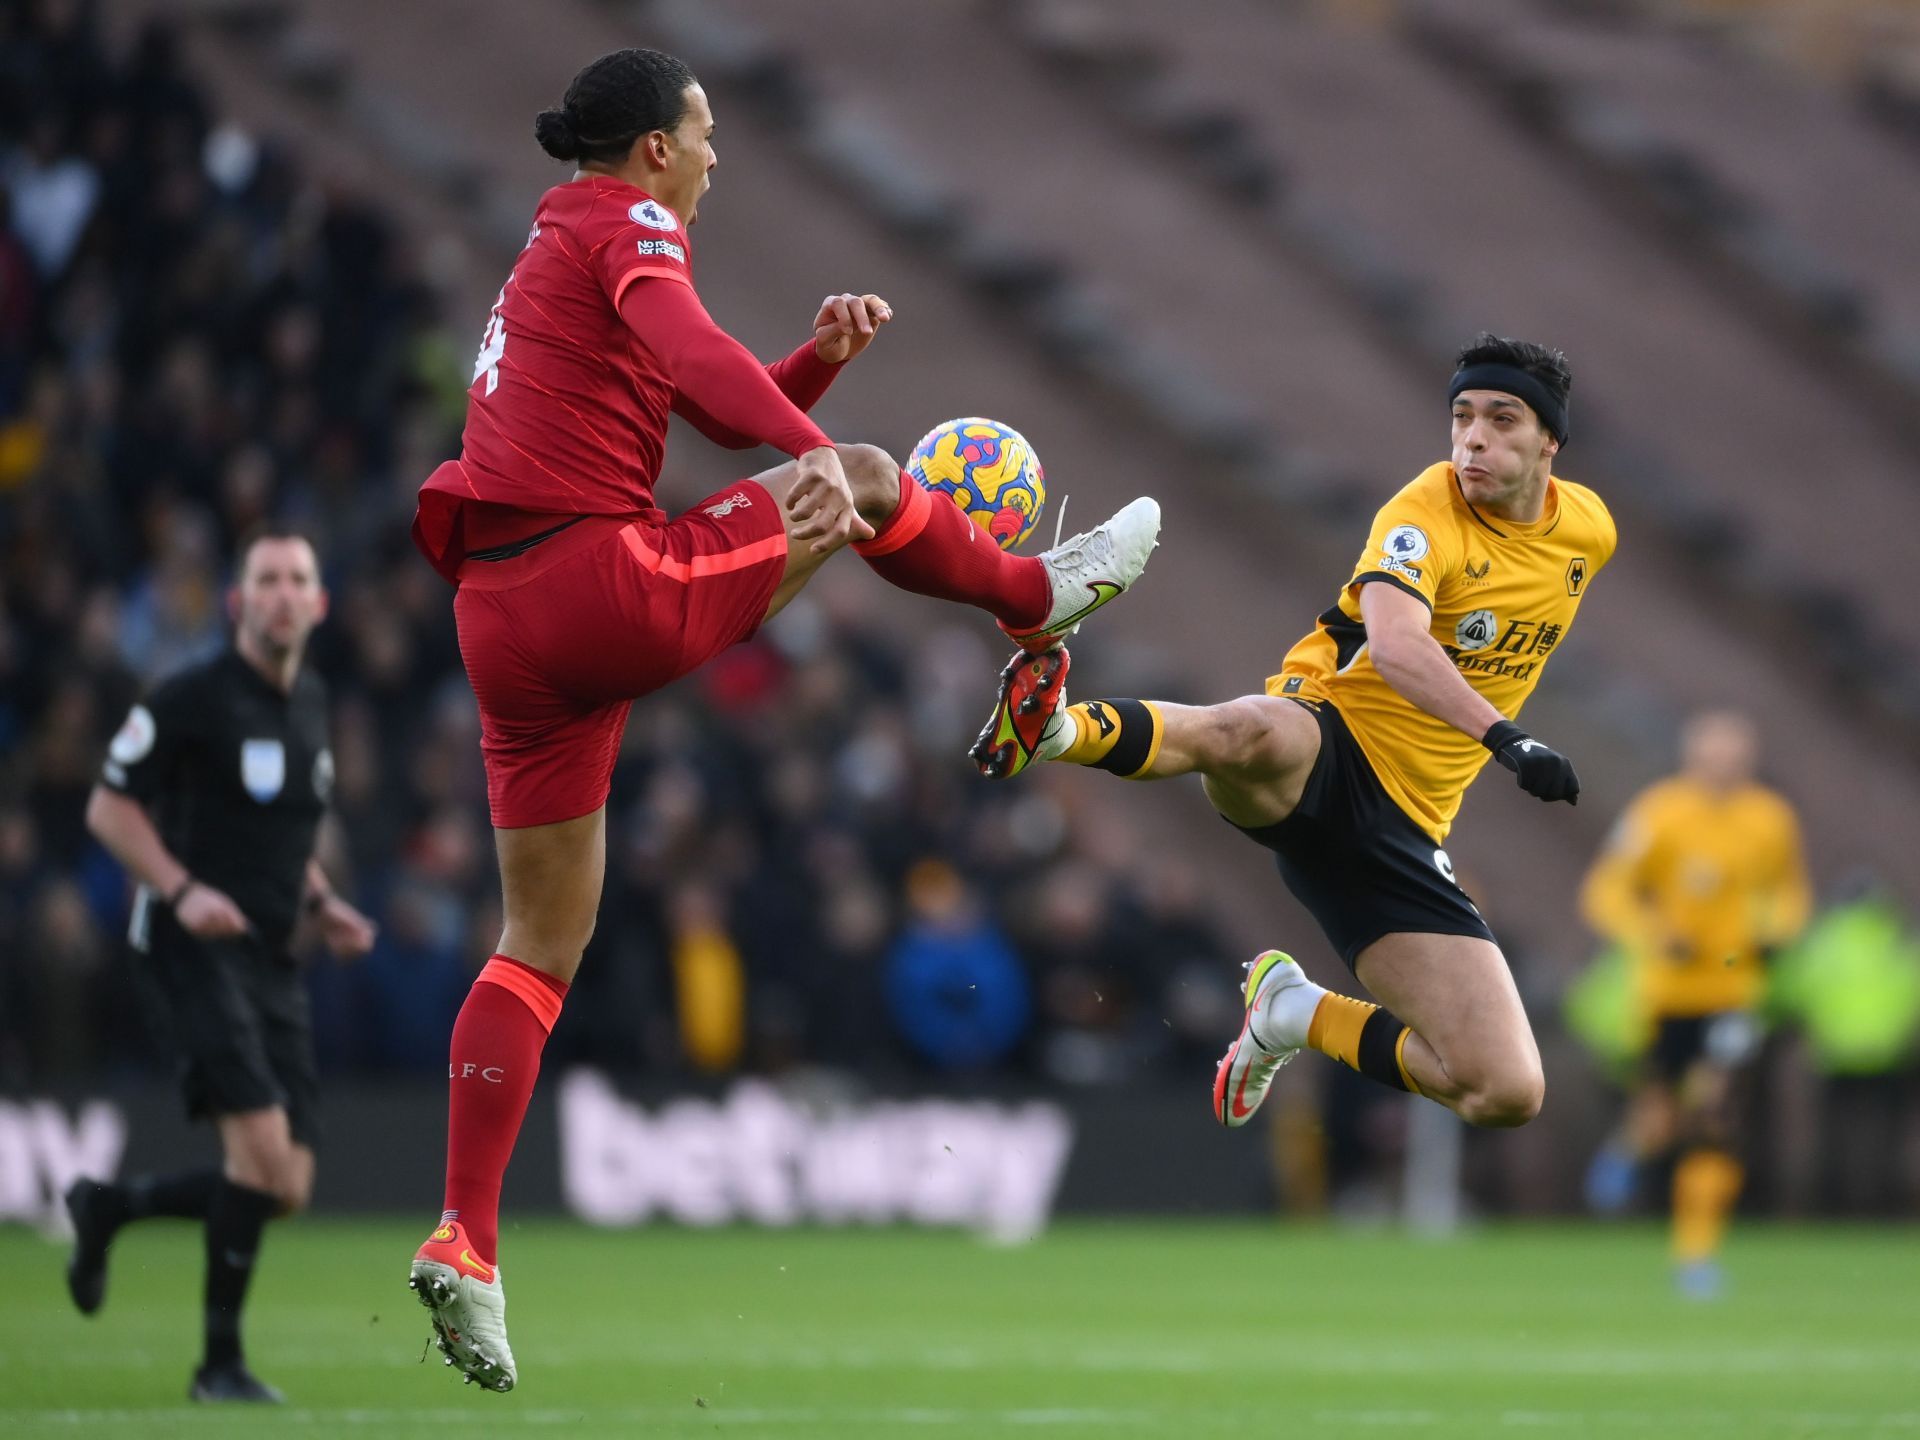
805, 375
723, 379
1412, 662
713, 371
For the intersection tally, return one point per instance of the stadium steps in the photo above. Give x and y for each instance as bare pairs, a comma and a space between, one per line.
1029, 169
1760, 243
1296, 546
1869, 48
1656, 626
1764, 172
1230, 52
1382, 158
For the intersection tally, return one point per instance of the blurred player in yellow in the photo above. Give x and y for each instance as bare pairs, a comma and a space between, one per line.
1352, 764
1702, 878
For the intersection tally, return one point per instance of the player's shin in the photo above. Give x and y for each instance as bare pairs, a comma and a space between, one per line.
933, 549
493, 1061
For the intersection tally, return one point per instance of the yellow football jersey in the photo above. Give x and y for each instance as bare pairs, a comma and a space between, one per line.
1502, 597
1695, 883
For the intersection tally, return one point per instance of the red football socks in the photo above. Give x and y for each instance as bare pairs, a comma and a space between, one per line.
493, 1060
931, 548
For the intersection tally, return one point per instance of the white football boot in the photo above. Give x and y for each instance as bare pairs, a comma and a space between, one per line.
1280, 1005
1091, 568
468, 1305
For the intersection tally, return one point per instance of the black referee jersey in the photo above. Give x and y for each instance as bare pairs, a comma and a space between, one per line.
236, 777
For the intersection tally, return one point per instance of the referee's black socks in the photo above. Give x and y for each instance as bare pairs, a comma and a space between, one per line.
234, 1223
186, 1196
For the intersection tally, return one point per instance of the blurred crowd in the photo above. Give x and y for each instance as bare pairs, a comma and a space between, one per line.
196, 337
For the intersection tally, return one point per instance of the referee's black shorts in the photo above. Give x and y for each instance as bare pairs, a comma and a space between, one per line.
1356, 860
238, 1017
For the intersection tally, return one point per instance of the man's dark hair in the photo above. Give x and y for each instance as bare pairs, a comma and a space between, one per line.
1546, 365
612, 103
260, 534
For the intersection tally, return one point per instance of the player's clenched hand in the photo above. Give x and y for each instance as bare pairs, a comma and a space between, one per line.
209, 913
847, 324
1544, 773
820, 504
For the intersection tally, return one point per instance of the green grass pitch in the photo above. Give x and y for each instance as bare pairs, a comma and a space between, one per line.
1099, 1330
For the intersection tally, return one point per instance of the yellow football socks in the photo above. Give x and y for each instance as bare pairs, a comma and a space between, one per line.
1363, 1037
1706, 1183
1336, 1026
1118, 736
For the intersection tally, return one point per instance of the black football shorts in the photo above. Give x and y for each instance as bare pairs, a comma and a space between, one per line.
238, 1017
1356, 860
1728, 1039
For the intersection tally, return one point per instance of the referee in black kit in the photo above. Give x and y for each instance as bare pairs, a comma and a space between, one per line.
211, 796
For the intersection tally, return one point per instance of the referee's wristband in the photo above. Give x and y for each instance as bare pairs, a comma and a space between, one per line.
179, 893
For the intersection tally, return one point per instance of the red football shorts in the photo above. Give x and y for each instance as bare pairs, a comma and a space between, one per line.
561, 640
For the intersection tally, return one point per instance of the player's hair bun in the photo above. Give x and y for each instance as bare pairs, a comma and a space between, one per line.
554, 130
613, 102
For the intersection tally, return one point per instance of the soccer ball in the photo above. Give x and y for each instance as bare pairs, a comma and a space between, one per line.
988, 470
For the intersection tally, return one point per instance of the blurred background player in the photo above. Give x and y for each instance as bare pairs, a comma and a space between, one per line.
1352, 766
577, 595
212, 796
1701, 882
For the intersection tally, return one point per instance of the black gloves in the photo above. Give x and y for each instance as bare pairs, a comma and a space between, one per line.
1544, 774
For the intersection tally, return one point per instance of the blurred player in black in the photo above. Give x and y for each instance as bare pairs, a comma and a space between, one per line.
211, 796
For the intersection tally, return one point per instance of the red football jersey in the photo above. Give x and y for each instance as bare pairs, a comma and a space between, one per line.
567, 413
568, 410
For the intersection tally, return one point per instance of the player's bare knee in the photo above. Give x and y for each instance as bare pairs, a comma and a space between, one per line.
551, 943
249, 1173
874, 478
1504, 1101
285, 1178
260, 1165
